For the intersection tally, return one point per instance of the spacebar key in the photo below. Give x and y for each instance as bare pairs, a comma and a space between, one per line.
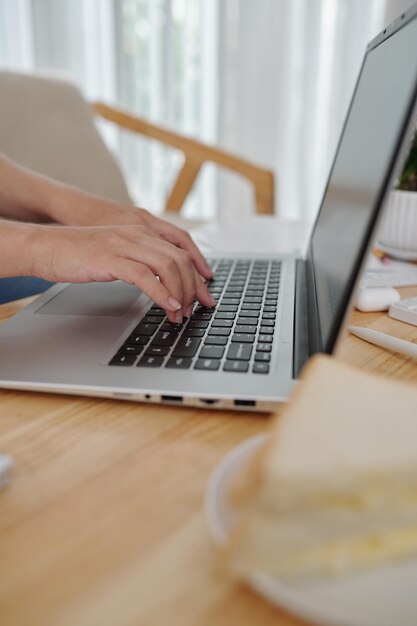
240, 351
186, 347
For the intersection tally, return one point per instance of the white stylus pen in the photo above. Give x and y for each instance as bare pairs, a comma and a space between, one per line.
385, 341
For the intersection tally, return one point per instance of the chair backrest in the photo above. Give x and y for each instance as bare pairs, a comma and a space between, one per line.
46, 125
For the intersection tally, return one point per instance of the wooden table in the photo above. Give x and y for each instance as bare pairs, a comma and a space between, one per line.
103, 521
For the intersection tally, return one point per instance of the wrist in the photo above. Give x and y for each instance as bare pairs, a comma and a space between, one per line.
17, 248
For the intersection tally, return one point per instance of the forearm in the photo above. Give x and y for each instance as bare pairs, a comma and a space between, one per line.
25, 195
31, 197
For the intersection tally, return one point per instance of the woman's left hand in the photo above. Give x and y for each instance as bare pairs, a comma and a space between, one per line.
76, 208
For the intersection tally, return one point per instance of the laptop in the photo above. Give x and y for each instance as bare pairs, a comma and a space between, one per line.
110, 340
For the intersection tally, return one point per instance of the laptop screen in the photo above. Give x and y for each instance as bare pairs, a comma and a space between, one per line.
379, 109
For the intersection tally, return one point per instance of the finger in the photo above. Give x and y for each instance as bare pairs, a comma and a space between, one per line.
140, 275
153, 254
188, 275
203, 294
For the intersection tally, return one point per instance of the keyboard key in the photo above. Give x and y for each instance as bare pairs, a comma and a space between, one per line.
216, 292
260, 368
252, 300
251, 307
156, 310
265, 338
270, 301
239, 352
215, 341
197, 324
236, 366
220, 332
194, 332
255, 292
270, 309
138, 340
123, 359
246, 321
207, 364
202, 315
230, 301
243, 338
243, 328
157, 351
266, 330
211, 352
145, 329
267, 315
222, 323
263, 347
178, 363
223, 308
249, 312
225, 316
150, 361
204, 309
151, 319
165, 338
130, 349
262, 356
171, 326
233, 292
267, 322
186, 347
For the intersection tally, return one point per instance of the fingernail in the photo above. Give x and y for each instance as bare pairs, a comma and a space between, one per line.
189, 311
174, 304
178, 317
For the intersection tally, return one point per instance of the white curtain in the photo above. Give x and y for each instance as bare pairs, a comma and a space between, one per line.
288, 69
268, 79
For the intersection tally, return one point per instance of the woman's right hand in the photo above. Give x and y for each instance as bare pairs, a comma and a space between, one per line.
130, 253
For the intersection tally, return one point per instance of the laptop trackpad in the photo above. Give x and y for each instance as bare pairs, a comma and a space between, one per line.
112, 299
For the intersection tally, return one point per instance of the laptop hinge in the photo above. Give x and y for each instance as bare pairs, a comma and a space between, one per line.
306, 336
301, 334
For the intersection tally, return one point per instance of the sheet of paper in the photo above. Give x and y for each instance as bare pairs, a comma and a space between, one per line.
255, 235
388, 273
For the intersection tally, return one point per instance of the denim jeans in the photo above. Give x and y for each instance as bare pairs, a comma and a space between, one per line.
21, 287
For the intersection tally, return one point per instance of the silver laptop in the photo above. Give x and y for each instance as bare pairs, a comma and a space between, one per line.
272, 314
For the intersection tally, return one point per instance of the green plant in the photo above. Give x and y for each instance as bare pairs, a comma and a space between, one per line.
408, 178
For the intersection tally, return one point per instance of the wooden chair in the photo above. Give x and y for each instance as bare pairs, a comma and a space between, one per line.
47, 125
195, 155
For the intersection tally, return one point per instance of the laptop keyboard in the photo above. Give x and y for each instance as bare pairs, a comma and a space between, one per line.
235, 336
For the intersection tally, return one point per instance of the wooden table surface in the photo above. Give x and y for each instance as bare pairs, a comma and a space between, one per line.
103, 521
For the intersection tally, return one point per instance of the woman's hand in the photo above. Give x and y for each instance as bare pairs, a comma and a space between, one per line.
132, 253
101, 241
74, 208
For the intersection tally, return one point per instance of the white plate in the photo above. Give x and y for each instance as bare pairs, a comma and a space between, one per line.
386, 596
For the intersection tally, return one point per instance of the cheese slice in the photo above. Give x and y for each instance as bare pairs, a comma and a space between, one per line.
334, 489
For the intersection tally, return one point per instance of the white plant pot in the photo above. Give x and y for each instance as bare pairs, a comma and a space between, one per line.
398, 230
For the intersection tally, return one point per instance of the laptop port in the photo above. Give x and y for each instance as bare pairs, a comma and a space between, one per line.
171, 398
208, 400
245, 402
